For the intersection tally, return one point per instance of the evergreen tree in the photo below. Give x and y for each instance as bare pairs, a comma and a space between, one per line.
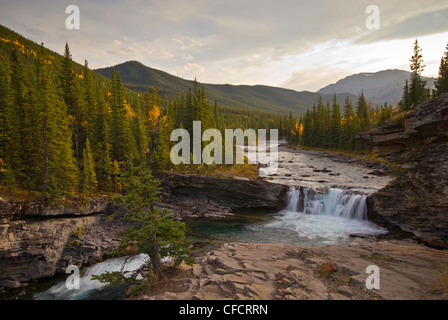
120, 134
156, 233
363, 111
6, 123
335, 124
405, 102
9, 180
22, 155
76, 105
88, 181
417, 91
59, 166
442, 81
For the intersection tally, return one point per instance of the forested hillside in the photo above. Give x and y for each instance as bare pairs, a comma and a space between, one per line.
138, 77
65, 130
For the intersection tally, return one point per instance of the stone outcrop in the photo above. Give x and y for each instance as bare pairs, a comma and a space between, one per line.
417, 149
38, 241
250, 271
199, 196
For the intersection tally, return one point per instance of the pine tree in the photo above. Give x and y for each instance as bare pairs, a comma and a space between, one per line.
442, 81
156, 234
90, 103
120, 131
363, 111
335, 125
417, 91
9, 180
5, 110
76, 105
59, 166
22, 155
405, 102
88, 181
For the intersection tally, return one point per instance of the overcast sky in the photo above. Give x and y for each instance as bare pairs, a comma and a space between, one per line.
301, 45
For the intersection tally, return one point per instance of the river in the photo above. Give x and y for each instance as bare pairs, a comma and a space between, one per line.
325, 205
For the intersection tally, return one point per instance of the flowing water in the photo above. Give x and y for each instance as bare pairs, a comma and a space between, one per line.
311, 218
92, 289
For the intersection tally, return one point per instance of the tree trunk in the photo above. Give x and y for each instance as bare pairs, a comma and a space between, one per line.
155, 258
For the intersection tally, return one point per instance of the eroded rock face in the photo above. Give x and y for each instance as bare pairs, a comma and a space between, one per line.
417, 200
205, 196
38, 241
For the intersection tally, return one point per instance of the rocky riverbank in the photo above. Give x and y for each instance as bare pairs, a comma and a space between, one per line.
249, 271
417, 146
319, 170
198, 196
39, 241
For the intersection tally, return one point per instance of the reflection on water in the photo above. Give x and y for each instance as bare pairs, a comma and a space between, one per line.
284, 227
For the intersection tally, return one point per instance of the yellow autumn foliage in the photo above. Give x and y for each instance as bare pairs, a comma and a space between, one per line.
2, 166
154, 114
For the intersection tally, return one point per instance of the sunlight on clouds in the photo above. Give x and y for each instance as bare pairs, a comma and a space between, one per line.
189, 71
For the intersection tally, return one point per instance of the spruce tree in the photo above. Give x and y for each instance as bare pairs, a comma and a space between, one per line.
5, 110
417, 91
120, 131
363, 111
88, 181
59, 169
442, 81
335, 125
405, 102
76, 105
22, 156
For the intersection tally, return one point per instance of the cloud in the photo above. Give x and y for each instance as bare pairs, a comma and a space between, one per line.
269, 42
189, 70
423, 24
139, 51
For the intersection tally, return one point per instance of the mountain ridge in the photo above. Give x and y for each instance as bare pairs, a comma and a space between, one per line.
139, 77
378, 87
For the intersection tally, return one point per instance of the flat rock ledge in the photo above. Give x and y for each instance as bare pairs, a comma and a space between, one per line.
250, 271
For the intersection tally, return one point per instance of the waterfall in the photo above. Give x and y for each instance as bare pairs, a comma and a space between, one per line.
335, 202
87, 285
325, 218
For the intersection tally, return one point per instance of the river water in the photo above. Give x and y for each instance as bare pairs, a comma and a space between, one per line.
310, 219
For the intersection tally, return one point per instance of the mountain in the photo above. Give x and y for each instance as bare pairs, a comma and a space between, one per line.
139, 77
380, 87
10, 39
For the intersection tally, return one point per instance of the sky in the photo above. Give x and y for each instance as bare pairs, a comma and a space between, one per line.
295, 44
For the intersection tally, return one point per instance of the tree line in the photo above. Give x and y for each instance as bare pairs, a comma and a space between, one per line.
331, 126
65, 130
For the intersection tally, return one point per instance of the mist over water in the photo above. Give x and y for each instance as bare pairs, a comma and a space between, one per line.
310, 218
